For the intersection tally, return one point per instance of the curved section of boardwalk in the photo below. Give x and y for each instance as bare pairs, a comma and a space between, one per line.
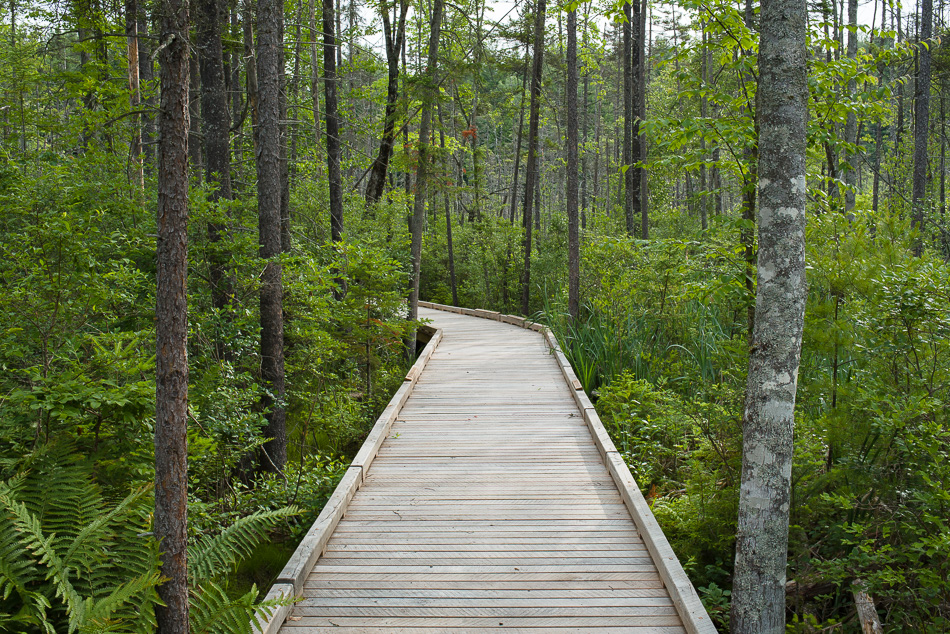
487, 507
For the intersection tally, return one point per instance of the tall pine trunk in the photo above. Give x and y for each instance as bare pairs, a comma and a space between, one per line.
641, 199
573, 233
315, 83
171, 326
135, 96
629, 173
851, 124
430, 92
330, 85
514, 178
531, 173
216, 125
269, 17
922, 120
450, 247
758, 595
377, 177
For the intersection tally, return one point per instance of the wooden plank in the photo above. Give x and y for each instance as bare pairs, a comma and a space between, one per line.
480, 622
430, 560
509, 594
461, 543
489, 550
384, 567
405, 584
448, 612
435, 629
487, 602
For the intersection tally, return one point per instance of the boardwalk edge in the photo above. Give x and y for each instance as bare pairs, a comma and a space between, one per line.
291, 579
690, 608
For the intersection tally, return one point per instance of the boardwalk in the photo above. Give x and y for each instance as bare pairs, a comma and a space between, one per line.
488, 506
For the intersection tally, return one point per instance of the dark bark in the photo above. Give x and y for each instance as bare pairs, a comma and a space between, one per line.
641, 199
585, 196
629, 173
758, 596
450, 247
531, 173
514, 178
215, 126
315, 82
146, 79
749, 180
573, 234
269, 17
922, 121
851, 124
135, 95
377, 176
171, 325
251, 72
284, 129
430, 91
194, 106
330, 85
88, 23
703, 112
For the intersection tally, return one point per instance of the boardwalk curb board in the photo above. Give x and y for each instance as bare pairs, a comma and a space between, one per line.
290, 580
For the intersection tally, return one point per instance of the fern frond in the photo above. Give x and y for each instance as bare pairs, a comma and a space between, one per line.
43, 549
17, 566
100, 615
92, 533
215, 554
213, 612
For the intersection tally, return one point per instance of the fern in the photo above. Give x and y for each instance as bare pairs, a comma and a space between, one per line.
213, 555
70, 561
58, 573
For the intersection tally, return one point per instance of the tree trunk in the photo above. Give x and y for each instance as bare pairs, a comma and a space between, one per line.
450, 248
251, 73
330, 84
269, 16
573, 237
758, 595
377, 177
750, 178
146, 78
194, 105
851, 124
284, 131
315, 82
641, 198
216, 126
922, 121
135, 96
629, 173
430, 92
879, 136
171, 326
703, 112
531, 173
514, 178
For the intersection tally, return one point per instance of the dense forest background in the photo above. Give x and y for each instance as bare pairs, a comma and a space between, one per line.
667, 173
